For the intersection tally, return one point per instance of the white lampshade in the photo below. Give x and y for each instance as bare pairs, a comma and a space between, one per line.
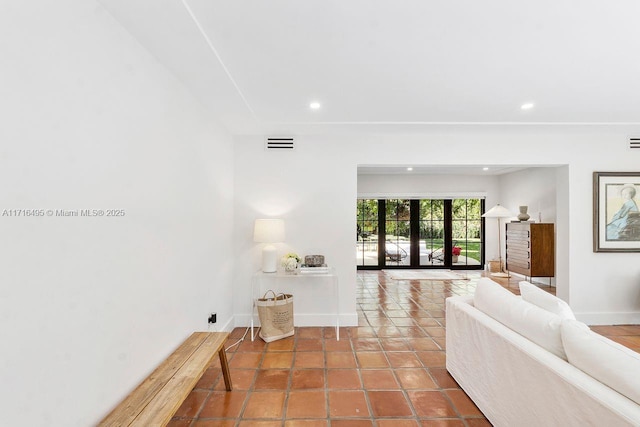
498, 212
269, 231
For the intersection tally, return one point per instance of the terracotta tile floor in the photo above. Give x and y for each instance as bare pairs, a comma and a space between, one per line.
387, 372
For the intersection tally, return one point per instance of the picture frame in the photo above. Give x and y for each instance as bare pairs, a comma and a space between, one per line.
616, 211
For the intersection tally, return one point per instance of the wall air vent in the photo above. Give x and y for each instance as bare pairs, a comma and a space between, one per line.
634, 143
279, 143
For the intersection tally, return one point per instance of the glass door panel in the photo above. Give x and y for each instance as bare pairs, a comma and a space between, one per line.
466, 228
397, 244
367, 232
431, 232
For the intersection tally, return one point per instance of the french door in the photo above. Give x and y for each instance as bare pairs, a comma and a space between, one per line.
420, 233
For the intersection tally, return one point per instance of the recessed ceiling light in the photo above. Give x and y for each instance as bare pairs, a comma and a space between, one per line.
409, 169
527, 106
485, 168
314, 105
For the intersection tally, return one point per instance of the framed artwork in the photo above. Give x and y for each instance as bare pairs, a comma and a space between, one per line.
616, 215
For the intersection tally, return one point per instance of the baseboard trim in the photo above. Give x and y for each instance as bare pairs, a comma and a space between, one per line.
324, 319
618, 318
545, 281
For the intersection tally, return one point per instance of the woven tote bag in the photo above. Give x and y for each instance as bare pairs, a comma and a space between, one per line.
276, 316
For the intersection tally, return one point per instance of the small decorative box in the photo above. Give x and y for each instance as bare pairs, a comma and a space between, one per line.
314, 260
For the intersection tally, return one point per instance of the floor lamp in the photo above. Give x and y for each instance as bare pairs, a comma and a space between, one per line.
498, 212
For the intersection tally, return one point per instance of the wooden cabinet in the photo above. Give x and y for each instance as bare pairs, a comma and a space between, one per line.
531, 249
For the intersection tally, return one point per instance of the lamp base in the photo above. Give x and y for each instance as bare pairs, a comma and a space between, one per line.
269, 259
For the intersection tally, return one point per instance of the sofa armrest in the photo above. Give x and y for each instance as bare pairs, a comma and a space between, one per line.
464, 299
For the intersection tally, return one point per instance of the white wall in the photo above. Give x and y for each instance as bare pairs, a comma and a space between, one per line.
604, 287
426, 184
315, 189
90, 305
535, 188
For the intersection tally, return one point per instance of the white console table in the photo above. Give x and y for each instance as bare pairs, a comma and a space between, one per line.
282, 282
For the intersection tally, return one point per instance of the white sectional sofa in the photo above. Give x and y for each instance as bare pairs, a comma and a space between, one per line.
525, 365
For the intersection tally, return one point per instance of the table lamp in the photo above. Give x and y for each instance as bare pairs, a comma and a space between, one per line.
498, 212
269, 231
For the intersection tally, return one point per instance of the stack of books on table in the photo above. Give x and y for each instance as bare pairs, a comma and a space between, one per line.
311, 269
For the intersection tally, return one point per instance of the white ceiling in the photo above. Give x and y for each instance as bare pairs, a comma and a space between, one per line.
399, 66
438, 170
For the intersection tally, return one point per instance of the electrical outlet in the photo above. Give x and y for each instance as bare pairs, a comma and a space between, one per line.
213, 318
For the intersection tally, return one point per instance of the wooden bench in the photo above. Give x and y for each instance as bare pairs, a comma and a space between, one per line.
159, 396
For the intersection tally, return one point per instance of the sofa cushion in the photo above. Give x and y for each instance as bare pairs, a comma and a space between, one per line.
490, 297
536, 296
605, 360
532, 322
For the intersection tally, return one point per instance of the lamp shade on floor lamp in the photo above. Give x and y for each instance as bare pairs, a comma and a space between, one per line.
269, 231
498, 212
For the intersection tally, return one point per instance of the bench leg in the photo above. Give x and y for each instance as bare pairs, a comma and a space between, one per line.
225, 369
